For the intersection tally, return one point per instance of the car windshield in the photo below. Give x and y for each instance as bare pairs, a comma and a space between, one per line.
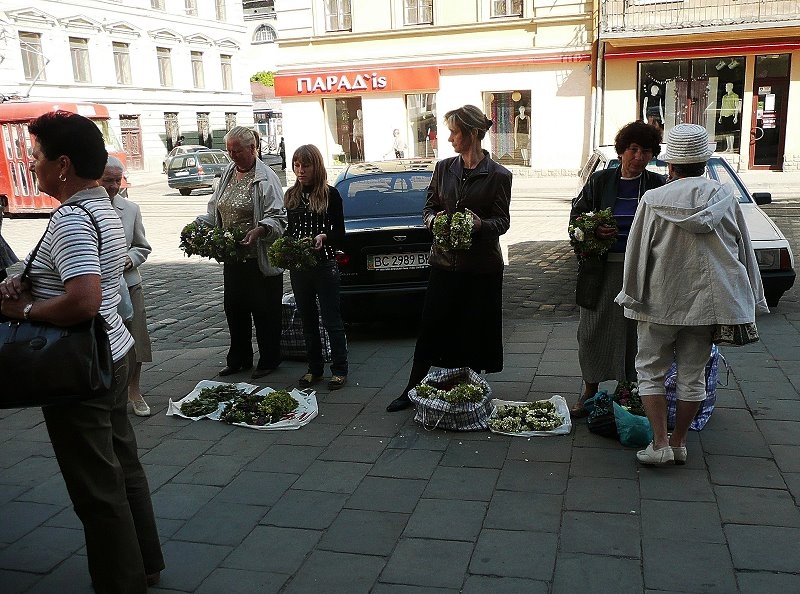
393, 194
715, 169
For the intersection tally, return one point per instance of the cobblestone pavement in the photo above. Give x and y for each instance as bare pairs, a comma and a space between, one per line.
364, 501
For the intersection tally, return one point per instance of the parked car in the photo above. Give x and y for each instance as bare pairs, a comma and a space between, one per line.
201, 169
182, 150
384, 258
773, 253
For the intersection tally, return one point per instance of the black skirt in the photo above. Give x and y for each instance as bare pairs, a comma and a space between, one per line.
462, 321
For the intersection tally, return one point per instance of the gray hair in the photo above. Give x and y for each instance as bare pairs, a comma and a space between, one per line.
469, 118
114, 163
244, 136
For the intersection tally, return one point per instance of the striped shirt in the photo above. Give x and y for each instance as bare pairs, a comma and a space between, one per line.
69, 249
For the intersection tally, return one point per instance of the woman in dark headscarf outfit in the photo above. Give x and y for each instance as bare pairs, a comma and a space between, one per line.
462, 320
606, 340
75, 275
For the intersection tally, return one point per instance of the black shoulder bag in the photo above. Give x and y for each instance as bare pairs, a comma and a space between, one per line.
42, 364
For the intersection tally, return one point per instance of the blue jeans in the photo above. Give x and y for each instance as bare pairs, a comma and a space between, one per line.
321, 282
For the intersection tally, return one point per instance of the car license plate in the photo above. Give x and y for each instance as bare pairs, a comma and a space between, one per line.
181, 173
404, 261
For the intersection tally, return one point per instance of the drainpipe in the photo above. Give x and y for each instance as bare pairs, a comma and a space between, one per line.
597, 80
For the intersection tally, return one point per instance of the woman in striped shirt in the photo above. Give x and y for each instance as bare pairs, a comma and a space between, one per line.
315, 210
74, 275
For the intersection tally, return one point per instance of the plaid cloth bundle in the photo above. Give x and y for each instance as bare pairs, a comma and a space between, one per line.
293, 345
433, 413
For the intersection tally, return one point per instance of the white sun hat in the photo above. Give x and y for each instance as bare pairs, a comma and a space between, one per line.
687, 143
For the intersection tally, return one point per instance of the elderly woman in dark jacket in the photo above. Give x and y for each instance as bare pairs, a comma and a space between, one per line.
606, 340
462, 317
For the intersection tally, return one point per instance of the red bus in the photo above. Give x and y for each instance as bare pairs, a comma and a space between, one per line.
19, 192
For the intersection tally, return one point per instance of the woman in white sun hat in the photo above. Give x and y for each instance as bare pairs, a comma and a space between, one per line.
689, 266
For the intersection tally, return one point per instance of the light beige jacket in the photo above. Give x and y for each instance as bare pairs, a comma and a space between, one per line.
690, 261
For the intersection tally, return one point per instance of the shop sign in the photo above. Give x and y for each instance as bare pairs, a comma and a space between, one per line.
357, 82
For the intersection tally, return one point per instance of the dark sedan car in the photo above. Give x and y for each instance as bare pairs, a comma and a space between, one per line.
201, 169
384, 258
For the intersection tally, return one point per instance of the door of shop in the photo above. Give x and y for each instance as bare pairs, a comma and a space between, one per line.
768, 128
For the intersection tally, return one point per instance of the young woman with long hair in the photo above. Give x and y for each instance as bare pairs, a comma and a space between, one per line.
315, 210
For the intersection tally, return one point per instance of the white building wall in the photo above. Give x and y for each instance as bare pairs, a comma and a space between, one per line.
150, 29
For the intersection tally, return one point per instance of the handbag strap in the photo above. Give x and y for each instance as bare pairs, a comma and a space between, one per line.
26, 272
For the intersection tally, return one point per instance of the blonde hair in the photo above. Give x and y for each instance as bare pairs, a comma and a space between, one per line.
308, 154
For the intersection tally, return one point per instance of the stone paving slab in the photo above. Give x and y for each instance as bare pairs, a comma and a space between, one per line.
365, 501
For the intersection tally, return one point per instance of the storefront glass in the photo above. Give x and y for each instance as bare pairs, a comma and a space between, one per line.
421, 108
509, 136
705, 91
346, 126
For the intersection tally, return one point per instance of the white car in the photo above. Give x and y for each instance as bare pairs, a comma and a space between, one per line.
774, 255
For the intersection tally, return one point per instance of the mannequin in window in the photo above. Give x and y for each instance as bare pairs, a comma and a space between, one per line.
431, 135
730, 107
522, 131
358, 135
653, 108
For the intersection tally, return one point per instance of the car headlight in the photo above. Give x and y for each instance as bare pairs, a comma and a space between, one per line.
773, 259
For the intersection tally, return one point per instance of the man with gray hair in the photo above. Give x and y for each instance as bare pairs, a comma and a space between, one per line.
249, 197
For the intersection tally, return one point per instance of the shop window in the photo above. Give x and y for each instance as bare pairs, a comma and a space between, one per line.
421, 110
418, 12
337, 15
706, 91
504, 8
346, 128
510, 134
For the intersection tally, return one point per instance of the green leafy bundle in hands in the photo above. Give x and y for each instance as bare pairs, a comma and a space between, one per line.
293, 254
582, 236
207, 241
453, 232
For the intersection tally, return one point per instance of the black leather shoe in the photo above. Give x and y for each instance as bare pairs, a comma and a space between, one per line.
231, 369
399, 404
258, 372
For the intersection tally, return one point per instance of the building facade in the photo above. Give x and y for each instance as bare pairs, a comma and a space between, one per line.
261, 21
732, 66
165, 69
368, 79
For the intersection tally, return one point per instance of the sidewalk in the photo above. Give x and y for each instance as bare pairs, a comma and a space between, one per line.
365, 501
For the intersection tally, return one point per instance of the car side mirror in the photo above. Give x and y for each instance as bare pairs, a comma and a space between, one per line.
762, 198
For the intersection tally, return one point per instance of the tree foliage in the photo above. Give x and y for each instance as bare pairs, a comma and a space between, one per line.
266, 78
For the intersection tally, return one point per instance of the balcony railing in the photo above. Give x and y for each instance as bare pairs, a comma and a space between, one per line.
636, 16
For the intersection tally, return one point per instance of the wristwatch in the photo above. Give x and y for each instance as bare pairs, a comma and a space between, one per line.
26, 313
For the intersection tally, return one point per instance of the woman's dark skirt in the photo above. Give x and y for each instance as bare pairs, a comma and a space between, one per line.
462, 321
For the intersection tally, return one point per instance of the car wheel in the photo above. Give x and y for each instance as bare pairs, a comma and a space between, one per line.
185, 191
